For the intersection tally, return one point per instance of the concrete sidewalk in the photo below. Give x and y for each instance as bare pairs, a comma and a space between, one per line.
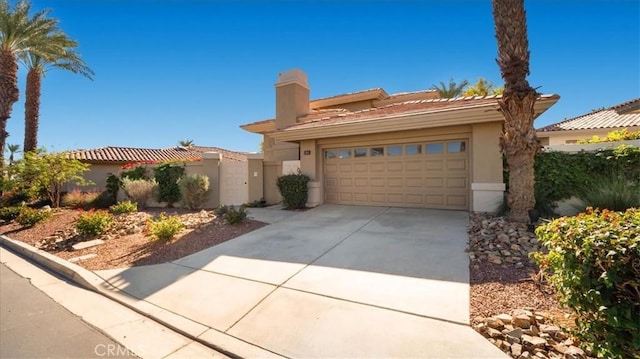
334, 281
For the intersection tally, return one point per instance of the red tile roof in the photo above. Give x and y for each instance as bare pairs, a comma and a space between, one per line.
624, 115
132, 154
407, 107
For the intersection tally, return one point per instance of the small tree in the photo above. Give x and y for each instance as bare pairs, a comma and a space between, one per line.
482, 88
48, 173
167, 177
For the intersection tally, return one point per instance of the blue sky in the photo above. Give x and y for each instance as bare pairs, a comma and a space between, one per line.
177, 70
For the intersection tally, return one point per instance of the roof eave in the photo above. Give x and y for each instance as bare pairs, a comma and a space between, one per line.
488, 112
261, 127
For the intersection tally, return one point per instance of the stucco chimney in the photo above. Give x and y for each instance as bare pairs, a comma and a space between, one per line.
292, 97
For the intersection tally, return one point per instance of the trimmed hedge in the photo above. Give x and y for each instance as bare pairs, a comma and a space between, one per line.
594, 265
294, 191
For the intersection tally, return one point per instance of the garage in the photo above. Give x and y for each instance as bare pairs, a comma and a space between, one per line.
428, 174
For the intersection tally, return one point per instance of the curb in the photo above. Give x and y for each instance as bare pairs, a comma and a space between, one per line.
212, 338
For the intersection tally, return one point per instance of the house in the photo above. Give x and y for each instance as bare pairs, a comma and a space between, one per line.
596, 123
105, 161
374, 148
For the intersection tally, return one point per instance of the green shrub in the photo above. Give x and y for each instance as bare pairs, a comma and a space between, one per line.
139, 191
94, 223
235, 216
258, 203
619, 135
9, 213
193, 189
79, 199
164, 227
562, 175
612, 192
167, 176
103, 201
138, 172
124, 207
293, 188
221, 211
113, 187
29, 217
594, 264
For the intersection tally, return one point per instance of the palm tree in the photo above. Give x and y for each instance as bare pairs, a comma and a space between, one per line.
13, 149
451, 90
518, 141
186, 143
59, 52
18, 33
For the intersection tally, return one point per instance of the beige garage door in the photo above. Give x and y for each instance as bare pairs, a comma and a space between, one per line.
432, 174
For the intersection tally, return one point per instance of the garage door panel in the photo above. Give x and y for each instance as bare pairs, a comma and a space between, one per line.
377, 167
436, 176
456, 164
460, 183
397, 182
377, 182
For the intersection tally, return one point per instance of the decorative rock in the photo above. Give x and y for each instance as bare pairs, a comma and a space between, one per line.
522, 321
535, 342
516, 350
494, 322
525, 355
574, 352
494, 333
516, 333
494, 259
519, 265
549, 329
560, 348
87, 244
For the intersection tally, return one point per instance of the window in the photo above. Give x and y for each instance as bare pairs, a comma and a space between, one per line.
330, 154
394, 150
413, 149
457, 146
433, 148
344, 153
376, 151
360, 152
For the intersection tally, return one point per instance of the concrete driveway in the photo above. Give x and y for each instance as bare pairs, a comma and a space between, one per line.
334, 281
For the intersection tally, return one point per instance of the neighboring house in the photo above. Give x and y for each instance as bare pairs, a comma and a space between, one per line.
596, 123
372, 148
109, 160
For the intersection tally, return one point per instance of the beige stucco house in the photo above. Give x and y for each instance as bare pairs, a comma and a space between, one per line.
228, 171
596, 123
372, 148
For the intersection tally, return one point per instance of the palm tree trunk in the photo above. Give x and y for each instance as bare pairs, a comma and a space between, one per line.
8, 94
518, 141
520, 145
32, 110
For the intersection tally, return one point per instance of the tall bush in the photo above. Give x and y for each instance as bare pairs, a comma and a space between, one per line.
561, 175
167, 176
139, 191
294, 191
193, 189
594, 264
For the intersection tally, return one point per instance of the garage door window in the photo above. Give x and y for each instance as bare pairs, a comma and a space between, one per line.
344, 153
360, 152
434, 148
394, 150
377, 151
330, 154
413, 149
458, 146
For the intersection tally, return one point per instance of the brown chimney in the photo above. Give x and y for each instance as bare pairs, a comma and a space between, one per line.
292, 97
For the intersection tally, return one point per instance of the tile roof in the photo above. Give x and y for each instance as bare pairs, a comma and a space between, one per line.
407, 107
133, 154
626, 114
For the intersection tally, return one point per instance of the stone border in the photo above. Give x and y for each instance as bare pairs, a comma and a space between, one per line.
212, 338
